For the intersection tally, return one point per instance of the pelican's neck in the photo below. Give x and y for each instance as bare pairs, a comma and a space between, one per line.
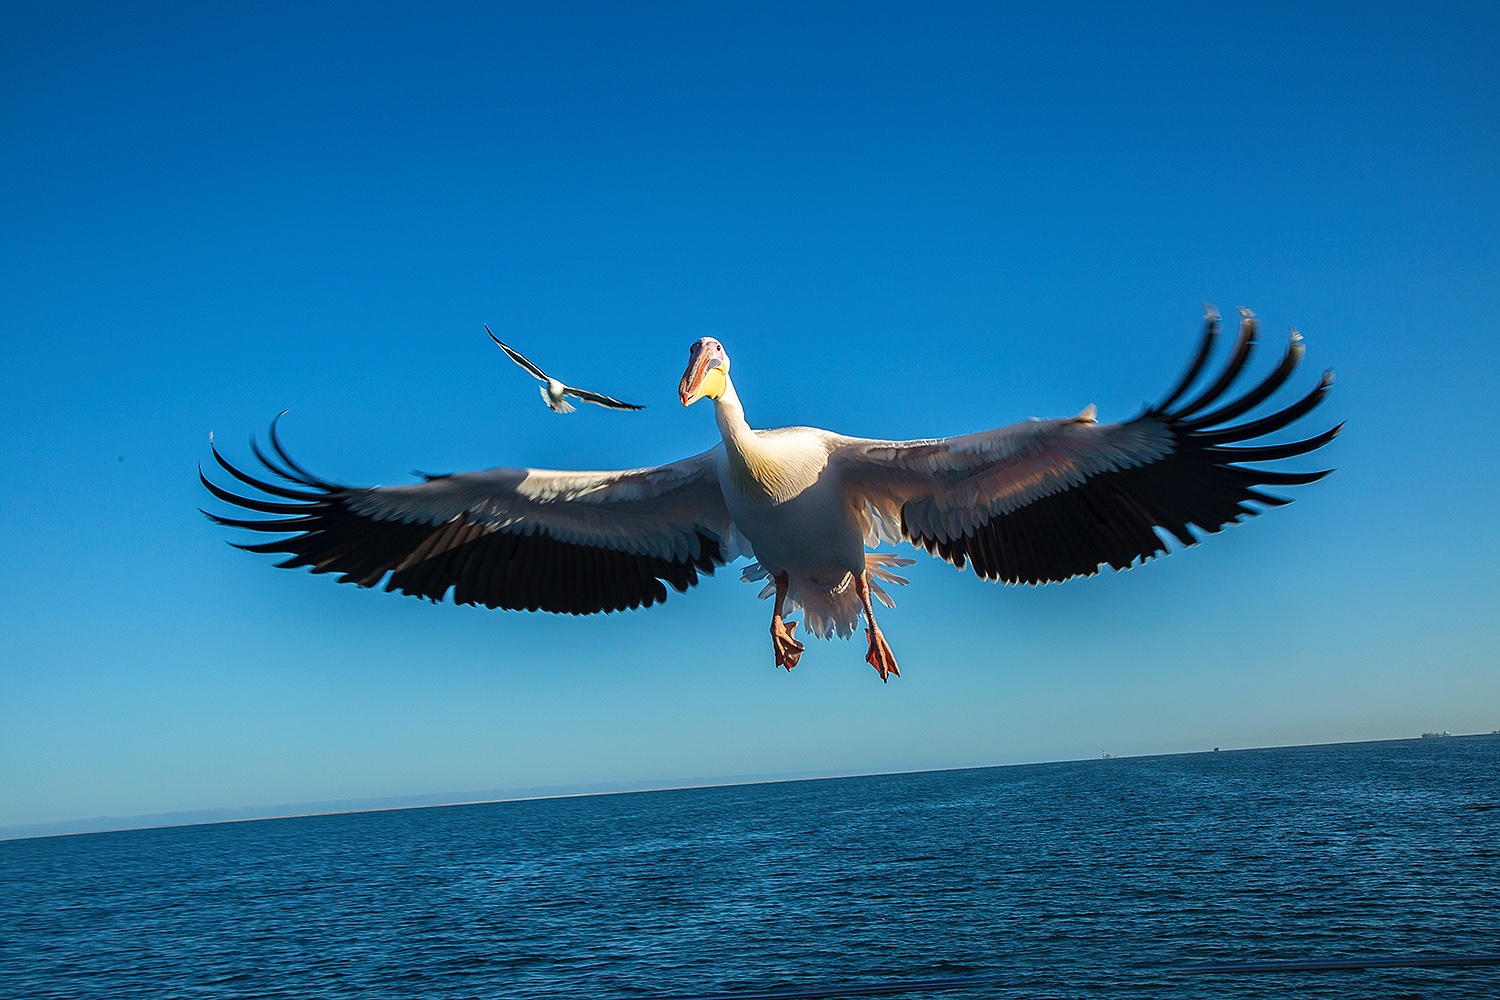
756, 467
751, 467
731, 417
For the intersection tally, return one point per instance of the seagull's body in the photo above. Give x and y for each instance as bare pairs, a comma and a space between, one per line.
553, 391
1036, 502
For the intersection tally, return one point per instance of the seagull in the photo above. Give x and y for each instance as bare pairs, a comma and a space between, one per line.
553, 391
1041, 501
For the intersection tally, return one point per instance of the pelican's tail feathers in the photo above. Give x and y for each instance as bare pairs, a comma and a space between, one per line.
826, 611
829, 611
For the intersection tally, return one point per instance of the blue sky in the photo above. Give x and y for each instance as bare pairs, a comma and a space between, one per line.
901, 220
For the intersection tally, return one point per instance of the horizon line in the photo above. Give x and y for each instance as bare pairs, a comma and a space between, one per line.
174, 819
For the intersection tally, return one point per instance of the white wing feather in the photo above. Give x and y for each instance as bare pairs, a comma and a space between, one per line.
949, 486
656, 511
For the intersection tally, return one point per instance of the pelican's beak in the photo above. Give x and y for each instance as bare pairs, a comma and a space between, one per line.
706, 373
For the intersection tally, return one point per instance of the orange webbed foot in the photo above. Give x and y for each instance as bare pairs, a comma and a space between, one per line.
880, 656
783, 640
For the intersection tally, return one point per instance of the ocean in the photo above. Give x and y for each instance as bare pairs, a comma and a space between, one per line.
1097, 878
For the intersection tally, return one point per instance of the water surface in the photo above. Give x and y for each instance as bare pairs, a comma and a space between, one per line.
1080, 879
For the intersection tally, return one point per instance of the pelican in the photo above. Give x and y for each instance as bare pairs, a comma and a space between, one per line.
1036, 502
553, 391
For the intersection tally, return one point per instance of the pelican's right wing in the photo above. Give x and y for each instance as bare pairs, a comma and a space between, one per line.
1045, 500
532, 539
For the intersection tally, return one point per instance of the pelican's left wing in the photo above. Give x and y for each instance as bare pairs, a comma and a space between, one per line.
532, 539
1046, 500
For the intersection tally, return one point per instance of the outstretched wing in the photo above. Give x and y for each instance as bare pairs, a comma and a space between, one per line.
1046, 500
516, 355
600, 399
532, 539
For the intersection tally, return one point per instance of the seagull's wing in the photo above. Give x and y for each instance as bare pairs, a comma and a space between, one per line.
516, 355
533, 539
1046, 500
600, 399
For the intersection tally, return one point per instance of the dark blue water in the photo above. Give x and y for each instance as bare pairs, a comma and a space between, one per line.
1081, 879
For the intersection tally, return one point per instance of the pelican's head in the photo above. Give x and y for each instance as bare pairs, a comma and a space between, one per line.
707, 372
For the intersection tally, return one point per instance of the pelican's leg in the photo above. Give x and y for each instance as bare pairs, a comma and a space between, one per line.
880, 656
788, 649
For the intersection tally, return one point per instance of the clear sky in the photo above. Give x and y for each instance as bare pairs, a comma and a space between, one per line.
902, 220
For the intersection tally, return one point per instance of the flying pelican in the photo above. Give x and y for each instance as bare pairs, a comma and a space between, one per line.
553, 391
1037, 502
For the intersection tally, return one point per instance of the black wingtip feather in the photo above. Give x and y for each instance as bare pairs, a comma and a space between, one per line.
1244, 346
249, 480
1205, 348
1274, 452
307, 478
1265, 425
1250, 400
272, 464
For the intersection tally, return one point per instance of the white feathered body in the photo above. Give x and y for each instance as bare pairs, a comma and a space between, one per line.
789, 507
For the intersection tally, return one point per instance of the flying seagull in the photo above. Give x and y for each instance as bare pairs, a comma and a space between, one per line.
1039, 501
553, 391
